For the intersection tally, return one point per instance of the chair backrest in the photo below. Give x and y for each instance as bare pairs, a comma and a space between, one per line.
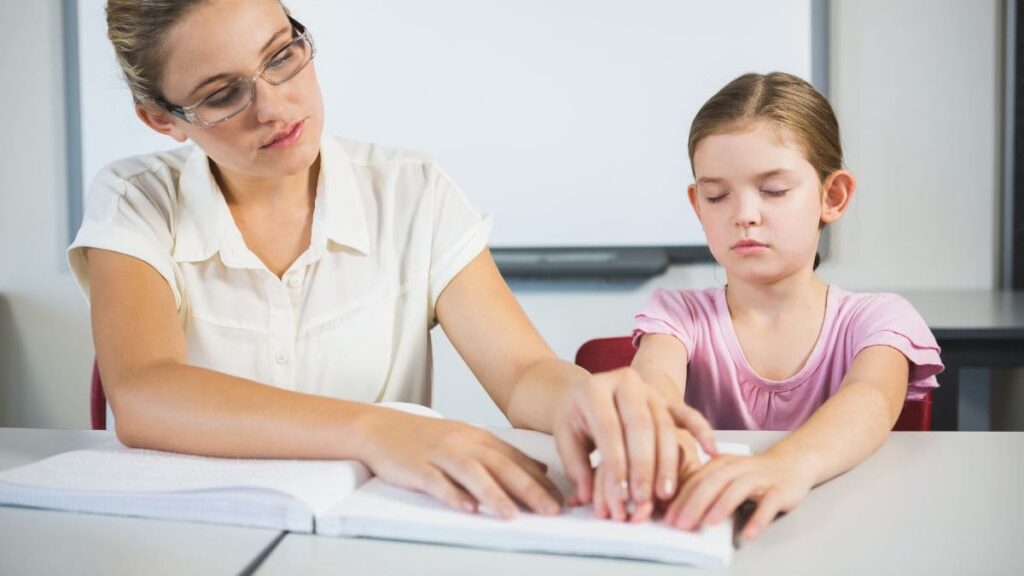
603, 354
97, 400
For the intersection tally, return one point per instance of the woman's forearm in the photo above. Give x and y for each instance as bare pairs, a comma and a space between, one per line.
539, 391
175, 407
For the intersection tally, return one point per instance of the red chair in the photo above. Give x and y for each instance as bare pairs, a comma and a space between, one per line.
97, 400
603, 354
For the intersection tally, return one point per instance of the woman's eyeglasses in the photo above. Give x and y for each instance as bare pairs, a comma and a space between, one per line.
236, 96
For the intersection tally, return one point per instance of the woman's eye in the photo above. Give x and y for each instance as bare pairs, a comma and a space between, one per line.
281, 59
775, 193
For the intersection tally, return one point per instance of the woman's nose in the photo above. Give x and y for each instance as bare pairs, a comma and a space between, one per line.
270, 101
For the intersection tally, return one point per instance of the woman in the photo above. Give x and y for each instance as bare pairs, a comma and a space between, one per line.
252, 294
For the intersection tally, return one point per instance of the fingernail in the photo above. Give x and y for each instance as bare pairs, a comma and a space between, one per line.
670, 487
623, 489
468, 506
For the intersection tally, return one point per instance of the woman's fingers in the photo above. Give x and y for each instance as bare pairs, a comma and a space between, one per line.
669, 451
605, 428
538, 494
574, 450
432, 481
692, 420
639, 429
475, 479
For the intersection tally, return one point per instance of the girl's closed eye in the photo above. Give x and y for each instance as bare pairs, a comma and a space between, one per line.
775, 193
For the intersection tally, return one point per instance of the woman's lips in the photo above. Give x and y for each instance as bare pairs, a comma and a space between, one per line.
288, 138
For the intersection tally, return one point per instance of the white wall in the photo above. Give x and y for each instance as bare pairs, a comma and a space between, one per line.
916, 85
45, 341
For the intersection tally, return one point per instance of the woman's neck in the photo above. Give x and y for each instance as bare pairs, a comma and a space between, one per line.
247, 192
770, 303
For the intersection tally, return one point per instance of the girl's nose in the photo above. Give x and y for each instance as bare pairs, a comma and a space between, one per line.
748, 212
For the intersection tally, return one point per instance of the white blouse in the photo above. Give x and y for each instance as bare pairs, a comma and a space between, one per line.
350, 318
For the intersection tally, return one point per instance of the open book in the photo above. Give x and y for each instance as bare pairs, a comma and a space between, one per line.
339, 498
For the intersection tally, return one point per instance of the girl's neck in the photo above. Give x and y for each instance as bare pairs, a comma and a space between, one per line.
771, 302
247, 192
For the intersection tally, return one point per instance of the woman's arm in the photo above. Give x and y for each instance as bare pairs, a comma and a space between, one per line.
843, 432
616, 412
161, 402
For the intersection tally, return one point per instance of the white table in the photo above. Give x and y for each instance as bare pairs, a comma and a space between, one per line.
926, 503
49, 542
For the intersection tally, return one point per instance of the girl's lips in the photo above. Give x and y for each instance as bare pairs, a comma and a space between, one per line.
287, 139
746, 247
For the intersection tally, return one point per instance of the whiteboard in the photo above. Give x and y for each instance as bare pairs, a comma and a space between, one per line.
565, 119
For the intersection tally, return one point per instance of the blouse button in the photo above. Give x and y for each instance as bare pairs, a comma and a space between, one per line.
294, 282
281, 358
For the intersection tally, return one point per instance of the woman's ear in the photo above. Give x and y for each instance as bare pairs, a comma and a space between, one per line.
160, 120
838, 191
691, 192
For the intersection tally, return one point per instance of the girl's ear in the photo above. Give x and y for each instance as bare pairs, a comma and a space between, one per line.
691, 192
838, 191
160, 120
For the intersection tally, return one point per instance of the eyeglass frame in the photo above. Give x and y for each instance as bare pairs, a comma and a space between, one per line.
188, 113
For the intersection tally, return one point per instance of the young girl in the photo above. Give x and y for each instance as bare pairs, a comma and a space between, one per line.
777, 347
254, 294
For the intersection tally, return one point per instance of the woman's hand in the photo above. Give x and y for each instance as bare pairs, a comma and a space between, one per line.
634, 428
463, 466
777, 483
689, 462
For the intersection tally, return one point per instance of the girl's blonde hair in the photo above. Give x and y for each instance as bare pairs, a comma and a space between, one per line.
137, 29
787, 103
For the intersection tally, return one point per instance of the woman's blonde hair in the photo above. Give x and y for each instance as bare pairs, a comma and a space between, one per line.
785, 102
137, 29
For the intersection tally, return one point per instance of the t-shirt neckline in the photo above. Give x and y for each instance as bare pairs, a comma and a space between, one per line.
740, 359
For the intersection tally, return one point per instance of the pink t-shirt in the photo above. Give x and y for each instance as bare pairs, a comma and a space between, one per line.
721, 384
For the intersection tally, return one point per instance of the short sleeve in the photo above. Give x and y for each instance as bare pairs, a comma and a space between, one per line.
460, 233
667, 312
889, 320
122, 217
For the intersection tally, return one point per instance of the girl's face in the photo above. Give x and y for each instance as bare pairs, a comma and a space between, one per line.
218, 42
760, 203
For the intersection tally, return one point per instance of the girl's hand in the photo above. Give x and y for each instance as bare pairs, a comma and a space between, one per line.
634, 429
463, 466
713, 492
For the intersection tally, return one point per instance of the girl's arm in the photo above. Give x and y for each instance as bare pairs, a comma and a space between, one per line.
616, 412
844, 431
161, 402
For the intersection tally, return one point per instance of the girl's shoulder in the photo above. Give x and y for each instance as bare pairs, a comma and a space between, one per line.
869, 304
686, 303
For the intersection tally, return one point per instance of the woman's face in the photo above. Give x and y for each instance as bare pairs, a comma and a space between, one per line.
224, 40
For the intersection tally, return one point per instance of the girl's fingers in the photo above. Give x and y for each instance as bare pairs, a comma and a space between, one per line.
692, 420
706, 490
734, 494
767, 509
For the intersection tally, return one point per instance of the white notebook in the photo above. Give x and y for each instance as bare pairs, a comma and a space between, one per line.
339, 498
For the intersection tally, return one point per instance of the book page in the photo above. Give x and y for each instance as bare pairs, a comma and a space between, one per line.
384, 511
115, 479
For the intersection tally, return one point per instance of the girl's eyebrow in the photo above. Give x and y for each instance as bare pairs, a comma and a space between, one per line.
761, 176
226, 76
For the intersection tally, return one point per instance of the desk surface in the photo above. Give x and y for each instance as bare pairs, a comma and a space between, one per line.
49, 542
926, 503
